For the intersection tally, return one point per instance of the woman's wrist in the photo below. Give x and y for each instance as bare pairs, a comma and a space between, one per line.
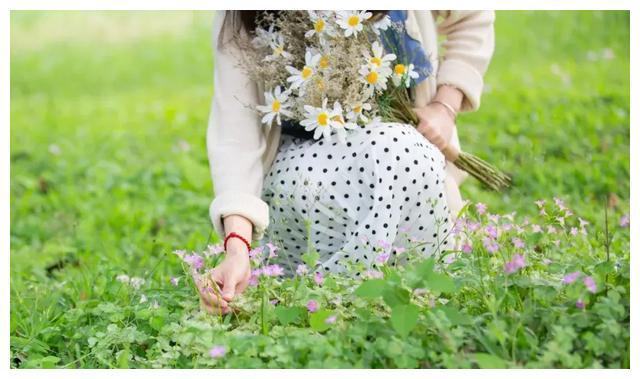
450, 96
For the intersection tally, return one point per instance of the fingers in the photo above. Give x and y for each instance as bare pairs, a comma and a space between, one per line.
210, 291
229, 287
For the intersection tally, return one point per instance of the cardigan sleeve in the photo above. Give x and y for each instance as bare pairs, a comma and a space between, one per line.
235, 141
468, 47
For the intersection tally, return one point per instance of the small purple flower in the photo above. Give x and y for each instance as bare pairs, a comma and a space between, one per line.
518, 243
399, 250
373, 274
507, 227
274, 301
490, 245
174, 281
551, 229
218, 351
590, 284
540, 203
256, 252
491, 231
384, 244
467, 248
318, 278
255, 276
493, 218
473, 226
312, 306
272, 270
583, 222
580, 304
574, 231
625, 221
571, 277
214, 250
302, 270
535, 228
449, 259
515, 264
194, 260
382, 258
272, 250
481, 208
331, 319
559, 203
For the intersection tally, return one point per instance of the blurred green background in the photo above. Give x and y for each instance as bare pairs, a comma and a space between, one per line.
109, 171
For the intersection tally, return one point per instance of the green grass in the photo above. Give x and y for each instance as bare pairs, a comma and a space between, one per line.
125, 97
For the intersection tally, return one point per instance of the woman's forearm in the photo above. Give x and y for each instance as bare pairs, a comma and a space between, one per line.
240, 225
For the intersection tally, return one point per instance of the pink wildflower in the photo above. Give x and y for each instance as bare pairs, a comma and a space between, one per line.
174, 281
517, 242
490, 244
318, 278
384, 244
272, 270
574, 231
491, 231
399, 250
494, 218
302, 270
382, 258
218, 351
312, 306
272, 250
194, 260
625, 221
515, 264
331, 319
467, 248
580, 304
481, 208
590, 284
571, 277
540, 203
535, 228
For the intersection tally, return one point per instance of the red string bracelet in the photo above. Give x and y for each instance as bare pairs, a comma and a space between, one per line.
236, 235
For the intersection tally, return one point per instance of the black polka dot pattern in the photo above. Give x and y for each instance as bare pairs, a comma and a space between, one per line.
383, 187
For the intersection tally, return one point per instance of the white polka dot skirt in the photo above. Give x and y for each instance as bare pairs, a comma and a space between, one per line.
380, 193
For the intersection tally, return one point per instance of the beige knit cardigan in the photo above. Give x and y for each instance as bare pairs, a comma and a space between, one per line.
241, 150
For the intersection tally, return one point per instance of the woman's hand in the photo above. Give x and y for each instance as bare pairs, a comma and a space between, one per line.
437, 122
231, 277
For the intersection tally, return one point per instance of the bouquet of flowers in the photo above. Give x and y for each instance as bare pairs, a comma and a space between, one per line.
330, 72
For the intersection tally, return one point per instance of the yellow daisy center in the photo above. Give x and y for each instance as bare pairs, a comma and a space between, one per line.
376, 61
353, 21
306, 72
357, 109
372, 77
319, 25
323, 119
399, 69
324, 62
278, 50
275, 107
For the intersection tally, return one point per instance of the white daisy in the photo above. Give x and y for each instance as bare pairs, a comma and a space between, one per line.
318, 119
382, 63
277, 46
339, 123
403, 73
321, 26
299, 77
351, 21
263, 38
276, 105
373, 80
356, 114
382, 24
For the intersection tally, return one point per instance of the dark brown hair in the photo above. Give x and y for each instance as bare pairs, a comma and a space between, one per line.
238, 21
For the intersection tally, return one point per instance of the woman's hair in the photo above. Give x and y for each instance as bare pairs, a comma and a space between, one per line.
237, 21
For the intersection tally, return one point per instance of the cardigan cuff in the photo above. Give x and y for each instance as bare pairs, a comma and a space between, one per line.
242, 204
464, 77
